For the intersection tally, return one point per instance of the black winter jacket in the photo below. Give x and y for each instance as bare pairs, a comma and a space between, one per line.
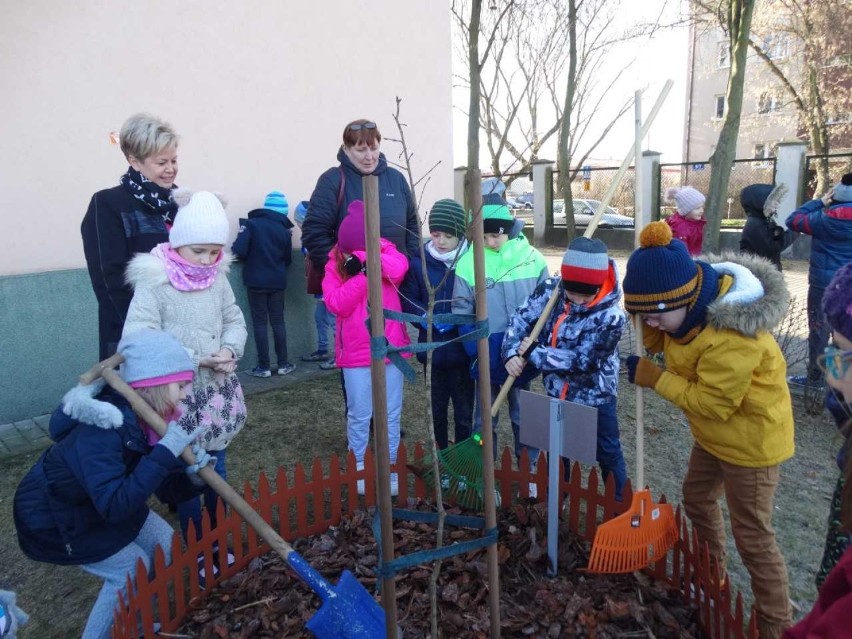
116, 227
399, 222
761, 237
265, 245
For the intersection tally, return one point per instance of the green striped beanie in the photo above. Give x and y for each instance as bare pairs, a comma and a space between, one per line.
447, 216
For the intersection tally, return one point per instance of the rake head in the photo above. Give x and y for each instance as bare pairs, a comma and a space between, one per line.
460, 469
634, 539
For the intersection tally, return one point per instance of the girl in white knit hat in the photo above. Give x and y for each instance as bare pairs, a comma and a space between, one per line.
182, 287
687, 222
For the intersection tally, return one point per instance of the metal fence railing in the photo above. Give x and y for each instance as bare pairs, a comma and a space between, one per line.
697, 175
838, 164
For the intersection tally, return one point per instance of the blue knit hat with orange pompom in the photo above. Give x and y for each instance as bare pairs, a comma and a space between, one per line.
661, 276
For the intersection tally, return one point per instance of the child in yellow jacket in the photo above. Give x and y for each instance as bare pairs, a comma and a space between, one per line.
712, 320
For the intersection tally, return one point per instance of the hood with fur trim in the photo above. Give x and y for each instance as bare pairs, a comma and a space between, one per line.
757, 300
148, 269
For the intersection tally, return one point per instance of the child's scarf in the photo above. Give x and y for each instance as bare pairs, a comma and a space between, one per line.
186, 276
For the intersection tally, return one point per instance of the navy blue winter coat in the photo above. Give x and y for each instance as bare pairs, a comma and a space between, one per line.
399, 222
265, 245
85, 498
831, 229
415, 299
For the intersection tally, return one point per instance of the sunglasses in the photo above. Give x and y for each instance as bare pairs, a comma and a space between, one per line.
835, 361
366, 125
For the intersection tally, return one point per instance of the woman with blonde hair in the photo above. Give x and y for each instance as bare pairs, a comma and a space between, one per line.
131, 217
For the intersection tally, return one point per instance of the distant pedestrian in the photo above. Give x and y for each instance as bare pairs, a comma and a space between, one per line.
687, 222
323, 319
828, 221
265, 245
762, 235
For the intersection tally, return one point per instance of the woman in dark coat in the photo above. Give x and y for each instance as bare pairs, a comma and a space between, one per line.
762, 236
132, 217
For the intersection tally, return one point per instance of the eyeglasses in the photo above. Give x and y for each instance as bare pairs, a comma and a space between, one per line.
366, 125
835, 361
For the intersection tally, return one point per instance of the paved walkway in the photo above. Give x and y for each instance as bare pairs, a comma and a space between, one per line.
31, 435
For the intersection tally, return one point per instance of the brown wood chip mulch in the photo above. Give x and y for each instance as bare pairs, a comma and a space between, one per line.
267, 600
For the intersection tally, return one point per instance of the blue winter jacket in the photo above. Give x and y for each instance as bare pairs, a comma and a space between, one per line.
399, 222
577, 350
85, 498
831, 229
415, 299
265, 245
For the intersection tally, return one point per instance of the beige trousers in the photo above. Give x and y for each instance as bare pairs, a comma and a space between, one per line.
750, 494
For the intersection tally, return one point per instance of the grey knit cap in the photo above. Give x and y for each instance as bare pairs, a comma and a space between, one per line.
153, 354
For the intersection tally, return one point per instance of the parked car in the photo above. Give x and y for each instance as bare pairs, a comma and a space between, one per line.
584, 210
525, 201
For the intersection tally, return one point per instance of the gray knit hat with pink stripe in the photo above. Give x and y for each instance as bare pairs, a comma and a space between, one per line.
585, 266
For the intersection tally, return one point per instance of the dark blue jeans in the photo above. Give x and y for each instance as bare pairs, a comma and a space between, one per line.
267, 305
456, 385
191, 510
818, 331
609, 455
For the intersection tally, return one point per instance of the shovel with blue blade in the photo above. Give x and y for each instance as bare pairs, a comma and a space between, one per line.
348, 611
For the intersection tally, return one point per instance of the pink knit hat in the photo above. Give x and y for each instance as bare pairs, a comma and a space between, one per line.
686, 199
350, 235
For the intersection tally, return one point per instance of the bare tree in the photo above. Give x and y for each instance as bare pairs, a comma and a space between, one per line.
806, 47
737, 16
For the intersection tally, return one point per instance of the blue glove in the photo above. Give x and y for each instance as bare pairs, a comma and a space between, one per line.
176, 439
202, 459
11, 617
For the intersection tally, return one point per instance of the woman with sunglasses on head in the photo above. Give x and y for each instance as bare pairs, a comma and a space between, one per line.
338, 187
830, 615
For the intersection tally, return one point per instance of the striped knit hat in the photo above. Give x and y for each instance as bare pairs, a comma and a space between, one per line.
447, 216
585, 266
277, 201
661, 276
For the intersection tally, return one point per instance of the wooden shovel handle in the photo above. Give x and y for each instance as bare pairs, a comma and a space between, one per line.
95, 371
208, 474
539, 324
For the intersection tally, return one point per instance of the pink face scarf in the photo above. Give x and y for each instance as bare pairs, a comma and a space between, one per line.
186, 276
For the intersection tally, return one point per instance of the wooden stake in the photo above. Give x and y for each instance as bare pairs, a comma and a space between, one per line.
372, 223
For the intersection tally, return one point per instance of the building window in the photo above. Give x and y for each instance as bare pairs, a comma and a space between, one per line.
764, 150
719, 107
768, 103
775, 46
723, 58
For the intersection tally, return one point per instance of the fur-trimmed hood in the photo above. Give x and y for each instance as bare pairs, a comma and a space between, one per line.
757, 300
148, 269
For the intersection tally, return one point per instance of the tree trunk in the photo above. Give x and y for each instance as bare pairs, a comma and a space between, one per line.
563, 156
739, 28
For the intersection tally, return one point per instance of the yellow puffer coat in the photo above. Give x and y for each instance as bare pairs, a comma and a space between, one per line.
731, 379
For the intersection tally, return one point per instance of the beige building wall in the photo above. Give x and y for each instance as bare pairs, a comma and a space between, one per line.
258, 90
710, 79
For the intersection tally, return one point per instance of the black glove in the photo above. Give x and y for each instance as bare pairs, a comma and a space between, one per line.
353, 266
777, 232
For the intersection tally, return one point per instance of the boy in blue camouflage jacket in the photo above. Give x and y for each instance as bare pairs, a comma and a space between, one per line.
577, 349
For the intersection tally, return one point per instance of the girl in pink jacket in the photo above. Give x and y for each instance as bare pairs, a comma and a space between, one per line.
687, 222
345, 291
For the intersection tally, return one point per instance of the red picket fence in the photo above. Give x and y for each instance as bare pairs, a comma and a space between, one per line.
307, 506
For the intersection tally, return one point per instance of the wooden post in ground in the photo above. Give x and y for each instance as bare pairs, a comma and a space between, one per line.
380, 398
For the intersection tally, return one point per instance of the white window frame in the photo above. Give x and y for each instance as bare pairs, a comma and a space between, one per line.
768, 103
716, 103
723, 54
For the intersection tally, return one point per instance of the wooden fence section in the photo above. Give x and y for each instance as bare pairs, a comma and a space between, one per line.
310, 504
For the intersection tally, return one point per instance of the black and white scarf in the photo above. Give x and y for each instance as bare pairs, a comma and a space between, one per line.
153, 196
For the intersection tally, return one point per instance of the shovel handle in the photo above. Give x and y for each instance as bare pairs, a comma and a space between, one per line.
95, 371
208, 474
539, 324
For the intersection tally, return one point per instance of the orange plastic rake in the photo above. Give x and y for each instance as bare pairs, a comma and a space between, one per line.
636, 538
646, 532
